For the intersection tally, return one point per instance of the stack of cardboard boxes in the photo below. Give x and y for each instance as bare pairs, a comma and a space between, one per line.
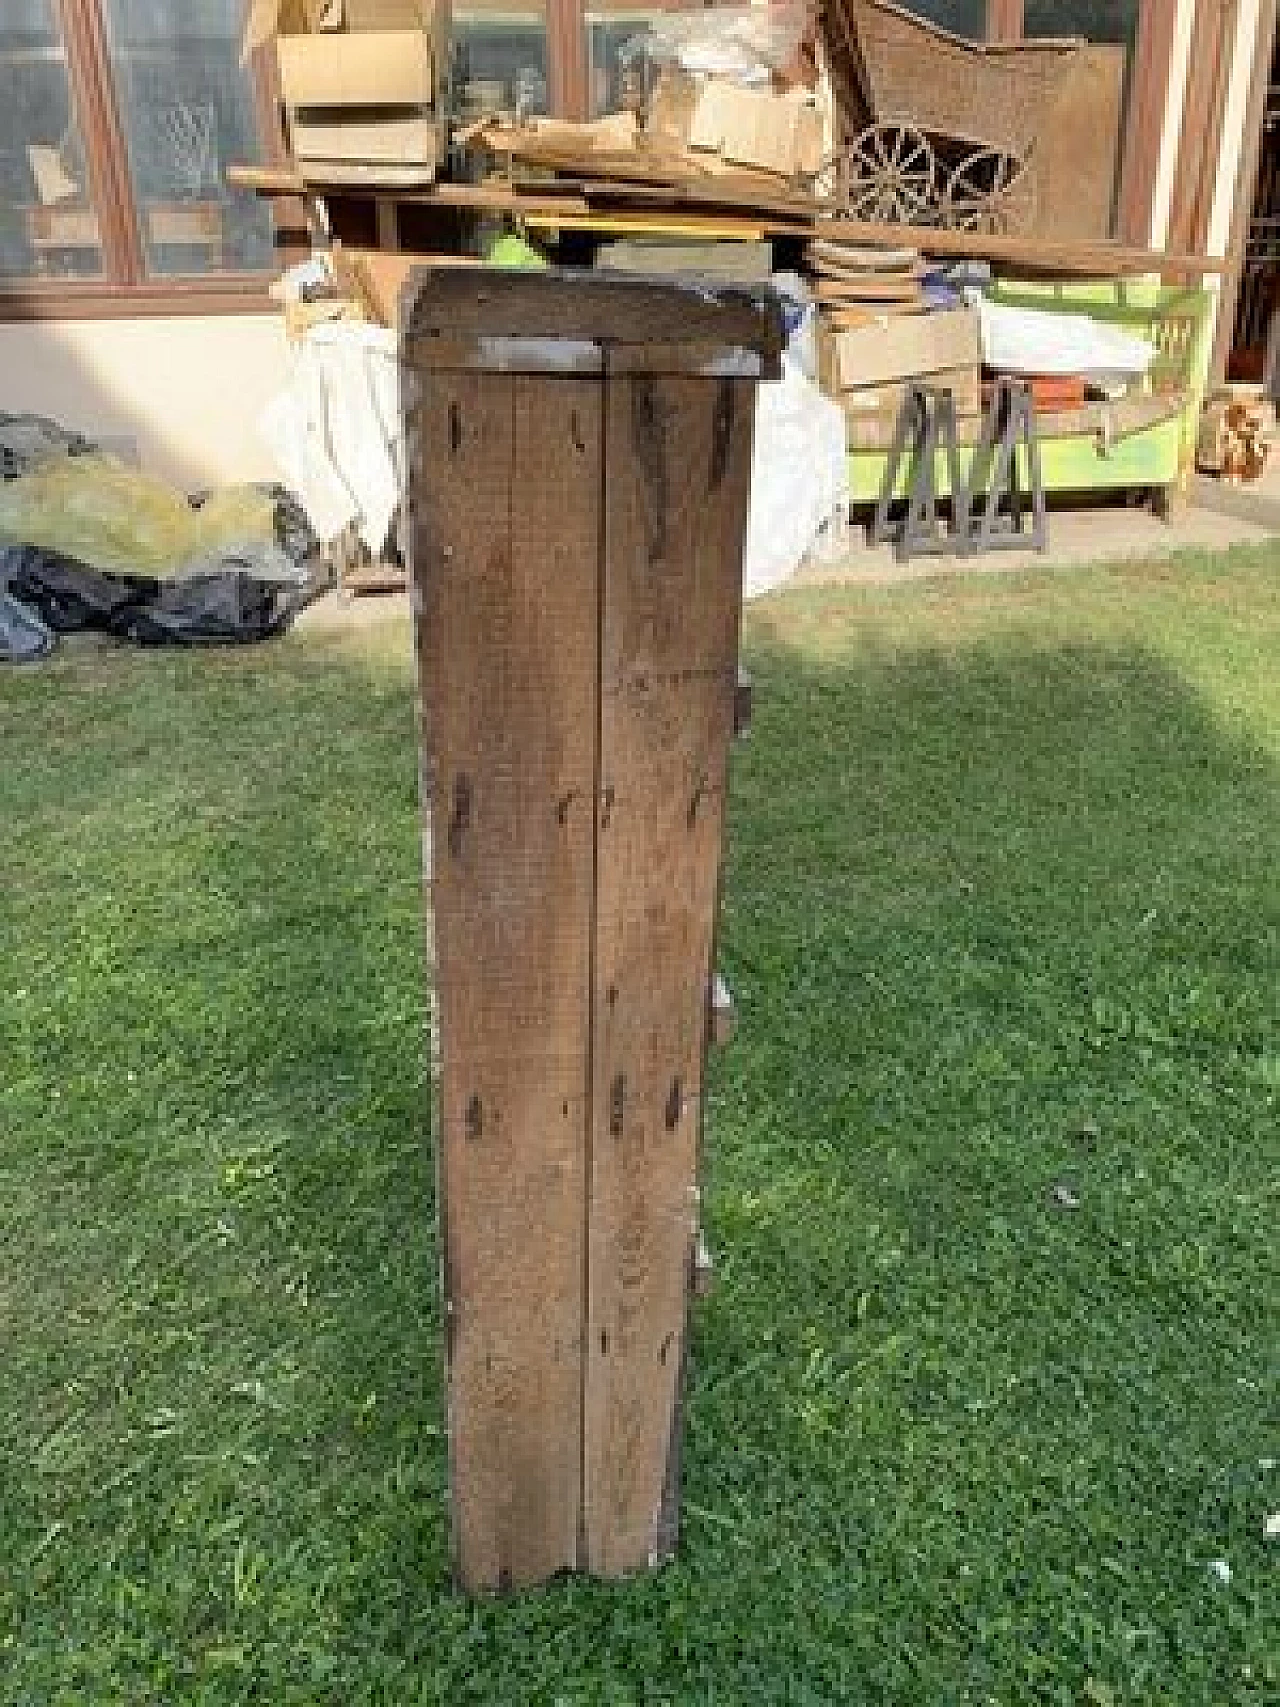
364, 83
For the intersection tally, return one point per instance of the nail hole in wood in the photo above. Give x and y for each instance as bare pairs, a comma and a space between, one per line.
455, 428
675, 1105
617, 1105
460, 819
475, 1118
604, 1345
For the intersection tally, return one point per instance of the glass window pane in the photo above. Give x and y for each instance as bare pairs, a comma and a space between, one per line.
961, 17
1096, 20
610, 25
47, 224
189, 112
500, 57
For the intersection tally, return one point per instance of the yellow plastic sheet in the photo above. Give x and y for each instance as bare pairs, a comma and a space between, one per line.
111, 516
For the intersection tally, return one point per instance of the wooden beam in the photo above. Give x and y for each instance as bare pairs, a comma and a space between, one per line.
102, 135
1199, 150
1149, 77
1246, 188
1004, 20
1037, 254
568, 77
675, 509
506, 565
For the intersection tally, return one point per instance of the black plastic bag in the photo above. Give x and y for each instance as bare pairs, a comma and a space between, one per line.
226, 607
68, 596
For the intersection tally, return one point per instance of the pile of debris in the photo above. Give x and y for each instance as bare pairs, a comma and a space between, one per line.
88, 541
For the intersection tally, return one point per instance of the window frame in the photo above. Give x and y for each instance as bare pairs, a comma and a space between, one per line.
125, 289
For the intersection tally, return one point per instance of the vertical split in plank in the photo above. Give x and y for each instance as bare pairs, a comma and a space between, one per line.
678, 456
506, 554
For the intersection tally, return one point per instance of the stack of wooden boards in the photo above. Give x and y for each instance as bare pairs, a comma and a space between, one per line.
611, 160
854, 284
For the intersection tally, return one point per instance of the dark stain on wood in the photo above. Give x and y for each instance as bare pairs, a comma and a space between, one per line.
722, 432
649, 425
675, 1105
460, 818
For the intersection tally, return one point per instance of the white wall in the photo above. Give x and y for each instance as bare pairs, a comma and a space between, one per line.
188, 392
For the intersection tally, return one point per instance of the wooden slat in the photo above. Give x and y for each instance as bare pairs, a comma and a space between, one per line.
1200, 144
281, 181
1004, 20
614, 309
1076, 157
679, 457
1149, 76
1246, 187
1038, 254
506, 508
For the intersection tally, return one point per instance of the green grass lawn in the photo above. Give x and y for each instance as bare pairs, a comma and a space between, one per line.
1003, 917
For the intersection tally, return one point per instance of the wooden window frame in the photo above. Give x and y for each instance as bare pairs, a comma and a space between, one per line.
125, 289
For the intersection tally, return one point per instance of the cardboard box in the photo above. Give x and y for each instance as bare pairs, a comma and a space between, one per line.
755, 128
361, 95
401, 142
392, 68
879, 406
899, 347
269, 18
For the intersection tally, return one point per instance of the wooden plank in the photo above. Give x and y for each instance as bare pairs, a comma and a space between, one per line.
1247, 179
1004, 20
1200, 144
675, 508
1037, 254
609, 308
483, 198
1149, 77
567, 201
506, 551
1076, 155
698, 226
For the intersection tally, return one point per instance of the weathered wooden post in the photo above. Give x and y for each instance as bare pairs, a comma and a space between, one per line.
579, 464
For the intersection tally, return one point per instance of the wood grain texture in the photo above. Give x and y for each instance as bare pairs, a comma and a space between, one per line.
1199, 147
1077, 154
679, 456
506, 550
1149, 77
1247, 184
610, 308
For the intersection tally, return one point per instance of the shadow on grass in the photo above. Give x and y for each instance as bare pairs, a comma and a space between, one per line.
999, 921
